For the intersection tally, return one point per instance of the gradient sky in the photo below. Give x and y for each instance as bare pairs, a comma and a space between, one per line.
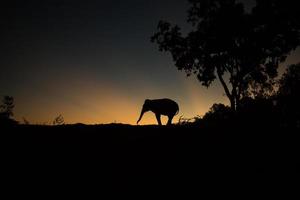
93, 62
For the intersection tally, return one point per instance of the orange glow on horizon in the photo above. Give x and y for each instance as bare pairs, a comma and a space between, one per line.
89, 102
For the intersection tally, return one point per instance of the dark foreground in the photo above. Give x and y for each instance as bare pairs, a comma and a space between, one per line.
125, 157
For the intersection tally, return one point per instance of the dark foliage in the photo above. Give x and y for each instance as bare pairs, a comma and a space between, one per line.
7, 106
227, 42
4, 121
218, 114
278, 110
258, 112
6, 111
288, 96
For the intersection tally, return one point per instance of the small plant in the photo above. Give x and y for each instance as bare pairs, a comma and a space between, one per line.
187, 121
25, 121
59, 120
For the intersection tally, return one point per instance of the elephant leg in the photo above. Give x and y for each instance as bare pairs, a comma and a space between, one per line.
158, 119
170, 119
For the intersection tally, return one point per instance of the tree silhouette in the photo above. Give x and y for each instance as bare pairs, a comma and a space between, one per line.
290, 82
241, 49
6, 111
7, 107
218, 113
288, 95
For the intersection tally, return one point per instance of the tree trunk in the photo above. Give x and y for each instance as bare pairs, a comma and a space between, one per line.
232, 104
230, 96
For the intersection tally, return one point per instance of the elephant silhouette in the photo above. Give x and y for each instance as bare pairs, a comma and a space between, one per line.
160, 107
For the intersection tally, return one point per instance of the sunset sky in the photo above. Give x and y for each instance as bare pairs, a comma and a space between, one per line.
93, 62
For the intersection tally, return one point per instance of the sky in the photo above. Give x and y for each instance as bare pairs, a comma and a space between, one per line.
92, 61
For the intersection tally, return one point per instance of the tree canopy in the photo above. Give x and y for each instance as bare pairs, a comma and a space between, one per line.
7, 106
242, 50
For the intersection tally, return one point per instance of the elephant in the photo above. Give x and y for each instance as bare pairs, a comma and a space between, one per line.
160, 107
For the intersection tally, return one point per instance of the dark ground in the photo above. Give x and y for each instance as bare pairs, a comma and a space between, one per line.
126, 157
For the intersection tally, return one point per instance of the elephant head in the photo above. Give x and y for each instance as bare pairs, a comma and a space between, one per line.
146, 108
160, 107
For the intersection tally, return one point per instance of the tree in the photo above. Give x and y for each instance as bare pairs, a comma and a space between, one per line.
289, 83
243, 50
288, 95
218, 113
7, 107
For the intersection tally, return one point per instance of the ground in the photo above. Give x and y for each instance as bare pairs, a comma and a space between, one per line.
123, 155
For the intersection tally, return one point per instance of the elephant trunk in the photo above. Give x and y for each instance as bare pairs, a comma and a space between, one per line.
142, 113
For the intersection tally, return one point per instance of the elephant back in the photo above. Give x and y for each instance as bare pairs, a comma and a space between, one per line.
165, 106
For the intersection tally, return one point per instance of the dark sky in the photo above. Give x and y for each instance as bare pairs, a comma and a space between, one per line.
92, 61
